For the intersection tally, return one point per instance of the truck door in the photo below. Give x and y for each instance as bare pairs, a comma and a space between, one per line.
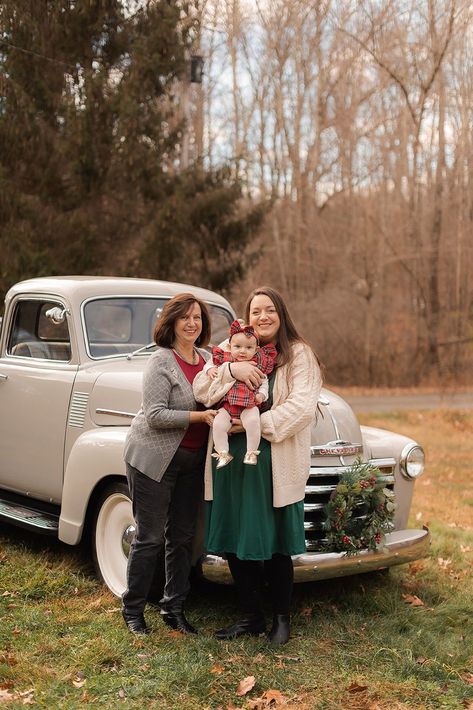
37, 371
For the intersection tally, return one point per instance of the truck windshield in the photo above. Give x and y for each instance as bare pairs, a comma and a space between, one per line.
118, 326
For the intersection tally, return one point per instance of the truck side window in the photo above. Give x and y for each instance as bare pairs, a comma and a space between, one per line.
38, 332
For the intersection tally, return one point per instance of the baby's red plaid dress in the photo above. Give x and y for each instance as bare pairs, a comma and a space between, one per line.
240, 396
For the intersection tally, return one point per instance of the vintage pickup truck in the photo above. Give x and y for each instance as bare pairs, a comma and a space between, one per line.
72, 354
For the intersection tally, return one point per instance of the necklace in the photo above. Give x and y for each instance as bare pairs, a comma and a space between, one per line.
195, 356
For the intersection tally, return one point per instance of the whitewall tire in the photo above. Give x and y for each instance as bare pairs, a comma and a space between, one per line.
112, 534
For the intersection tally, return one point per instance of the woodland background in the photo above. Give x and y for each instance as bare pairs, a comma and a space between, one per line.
328, 152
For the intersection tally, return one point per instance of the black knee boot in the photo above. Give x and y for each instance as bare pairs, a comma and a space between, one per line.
280, 575
248, 577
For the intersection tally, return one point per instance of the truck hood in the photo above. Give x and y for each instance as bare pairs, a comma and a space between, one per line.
336, 435
116, 397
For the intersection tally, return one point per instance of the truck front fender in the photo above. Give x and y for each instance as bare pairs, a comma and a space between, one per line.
95, 456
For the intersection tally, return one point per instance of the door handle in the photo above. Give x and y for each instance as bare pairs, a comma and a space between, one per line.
3, 377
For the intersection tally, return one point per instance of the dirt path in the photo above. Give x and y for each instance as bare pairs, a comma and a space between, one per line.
390, 403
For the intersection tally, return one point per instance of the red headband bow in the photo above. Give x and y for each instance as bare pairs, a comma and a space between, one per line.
248, 330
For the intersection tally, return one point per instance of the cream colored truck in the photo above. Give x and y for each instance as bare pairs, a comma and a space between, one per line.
72, 355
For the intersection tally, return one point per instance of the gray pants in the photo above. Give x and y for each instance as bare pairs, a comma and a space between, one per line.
165, 514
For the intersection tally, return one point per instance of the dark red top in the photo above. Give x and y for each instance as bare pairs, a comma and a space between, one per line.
197, 434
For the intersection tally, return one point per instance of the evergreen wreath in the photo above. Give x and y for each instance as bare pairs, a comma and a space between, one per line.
359, 492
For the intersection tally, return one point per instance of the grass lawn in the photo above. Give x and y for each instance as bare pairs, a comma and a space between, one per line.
357, 642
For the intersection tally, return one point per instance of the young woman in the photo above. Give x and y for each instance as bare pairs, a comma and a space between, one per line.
255, 514
165, 456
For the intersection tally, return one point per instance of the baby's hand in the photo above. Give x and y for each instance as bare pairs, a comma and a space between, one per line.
212, 372
259, 398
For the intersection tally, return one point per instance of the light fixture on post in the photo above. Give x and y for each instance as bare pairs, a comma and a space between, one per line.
197, 69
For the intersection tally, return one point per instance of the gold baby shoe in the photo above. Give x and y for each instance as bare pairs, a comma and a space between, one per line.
223, 458
251, 457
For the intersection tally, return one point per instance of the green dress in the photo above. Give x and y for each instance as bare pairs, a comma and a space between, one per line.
241, 517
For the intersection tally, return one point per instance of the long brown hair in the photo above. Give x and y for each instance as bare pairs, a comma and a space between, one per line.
288, 334
176, 308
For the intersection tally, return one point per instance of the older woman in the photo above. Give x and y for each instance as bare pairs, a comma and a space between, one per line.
165, 455
255, 514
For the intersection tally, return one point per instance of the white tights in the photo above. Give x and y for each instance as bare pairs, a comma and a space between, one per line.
250, 421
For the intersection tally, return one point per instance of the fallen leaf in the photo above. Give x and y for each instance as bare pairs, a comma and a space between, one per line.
245, 685
270, 698
27, 696
421, 660
468, 704
16, 631
467, 677
307, 611
84, 698
259, 658
121, 694
176, 634
145, 667
9, 659
6, 696
419, 516
412, 600
444, 563
274, 695
79, 680
296, 659
465, 548
12, 605
356, 688
7, 685
416, 567
217, 668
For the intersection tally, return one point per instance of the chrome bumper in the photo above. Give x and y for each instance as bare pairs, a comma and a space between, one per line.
401, 546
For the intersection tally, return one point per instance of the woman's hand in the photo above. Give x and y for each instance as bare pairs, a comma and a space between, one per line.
248, 373
205, 416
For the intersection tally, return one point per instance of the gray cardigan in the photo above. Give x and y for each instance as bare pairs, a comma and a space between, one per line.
158, 428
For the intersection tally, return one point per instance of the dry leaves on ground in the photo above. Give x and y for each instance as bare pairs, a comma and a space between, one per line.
78, 680
412, 600
357, 688
217, 668
25, 697
270, 698
245, 685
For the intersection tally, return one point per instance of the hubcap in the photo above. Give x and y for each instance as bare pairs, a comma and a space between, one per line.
127, 539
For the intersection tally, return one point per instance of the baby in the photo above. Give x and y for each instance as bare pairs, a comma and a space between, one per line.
241, 401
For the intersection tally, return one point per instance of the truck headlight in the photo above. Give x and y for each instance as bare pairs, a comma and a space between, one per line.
412, 461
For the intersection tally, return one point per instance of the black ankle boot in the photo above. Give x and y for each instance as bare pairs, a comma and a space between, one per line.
248, 626
135, 622
280, 631
176, 620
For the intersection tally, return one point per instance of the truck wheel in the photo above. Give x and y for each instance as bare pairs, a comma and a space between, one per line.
113, 529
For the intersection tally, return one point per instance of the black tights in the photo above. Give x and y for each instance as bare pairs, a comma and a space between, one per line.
249, 576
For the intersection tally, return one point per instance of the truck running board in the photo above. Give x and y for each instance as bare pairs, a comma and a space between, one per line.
29, 518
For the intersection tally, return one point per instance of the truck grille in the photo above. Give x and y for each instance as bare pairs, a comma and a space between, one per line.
322, 481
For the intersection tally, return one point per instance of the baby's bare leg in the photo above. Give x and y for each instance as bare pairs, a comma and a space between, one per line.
252, 425
221, 425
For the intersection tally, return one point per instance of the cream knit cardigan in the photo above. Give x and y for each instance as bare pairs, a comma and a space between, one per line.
286, 425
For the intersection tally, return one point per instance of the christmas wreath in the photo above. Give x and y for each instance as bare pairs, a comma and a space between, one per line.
360, 511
